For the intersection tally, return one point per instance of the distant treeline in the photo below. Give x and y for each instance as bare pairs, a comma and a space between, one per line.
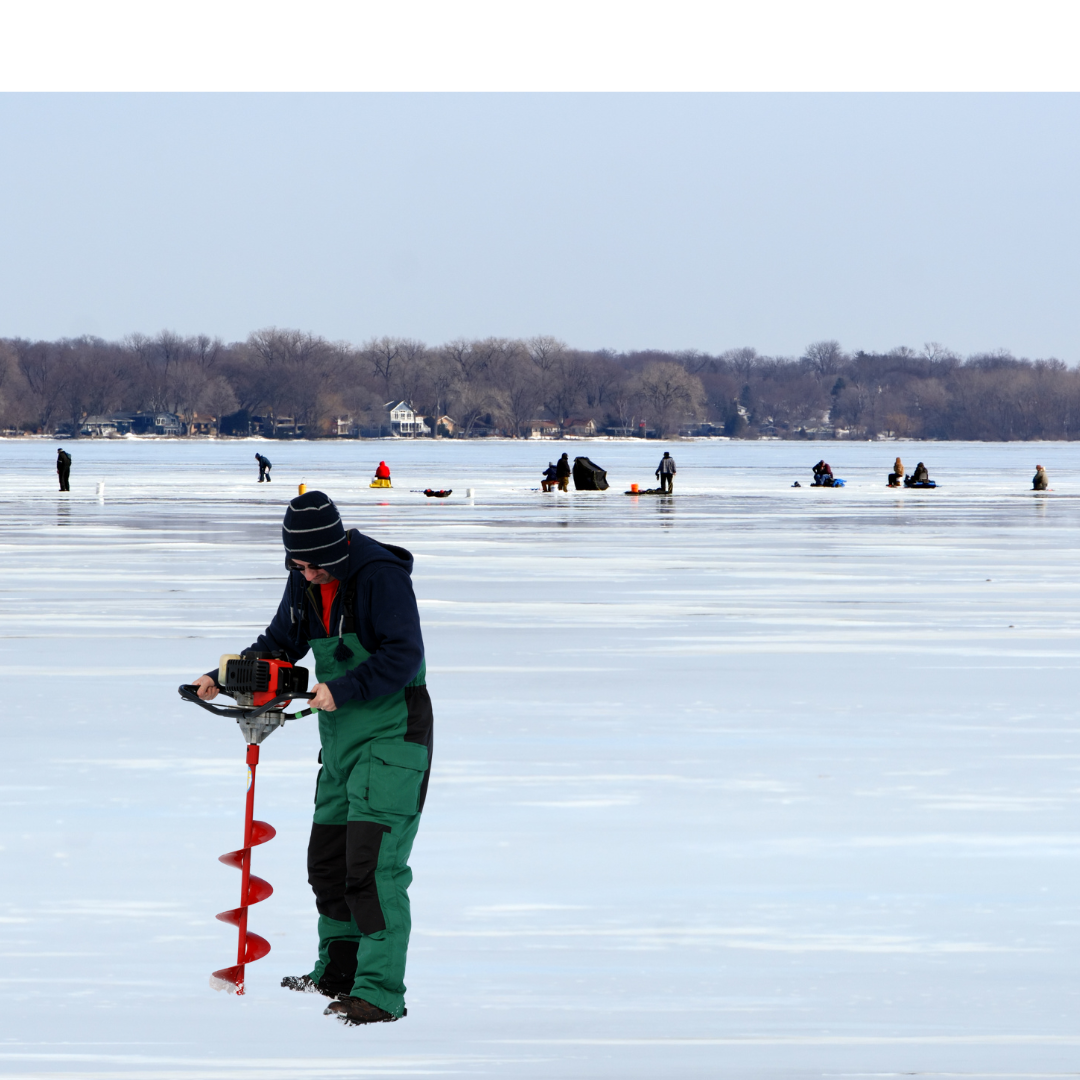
502, 386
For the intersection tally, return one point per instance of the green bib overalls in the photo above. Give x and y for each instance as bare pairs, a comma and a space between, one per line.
368, 797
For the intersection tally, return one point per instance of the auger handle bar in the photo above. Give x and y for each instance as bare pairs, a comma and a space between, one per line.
189, 692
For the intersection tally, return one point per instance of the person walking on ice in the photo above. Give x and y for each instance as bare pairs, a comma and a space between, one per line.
264, 468
665, 472
349, 599
63, 468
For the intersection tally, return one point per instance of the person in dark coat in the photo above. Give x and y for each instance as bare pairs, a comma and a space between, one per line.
551, 477
349, 599
823, 476
665, 472
920, 475
264, 468
562, 473
1040, 481
63, 468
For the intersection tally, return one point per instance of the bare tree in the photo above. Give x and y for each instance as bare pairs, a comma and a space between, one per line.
671, 394
472, 402
470, 358
743, 361
385, 356
825, 357
522, 394
545, 352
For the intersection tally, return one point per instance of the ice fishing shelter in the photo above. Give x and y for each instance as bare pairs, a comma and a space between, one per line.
588, 476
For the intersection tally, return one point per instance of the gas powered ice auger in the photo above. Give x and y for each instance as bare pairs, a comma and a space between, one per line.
261, 686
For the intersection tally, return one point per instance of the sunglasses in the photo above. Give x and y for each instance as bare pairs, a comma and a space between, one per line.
310, 566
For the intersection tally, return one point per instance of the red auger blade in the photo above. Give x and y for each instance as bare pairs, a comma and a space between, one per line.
258, 889
230, 979
250, 947
257, 948
232, 917
261, 831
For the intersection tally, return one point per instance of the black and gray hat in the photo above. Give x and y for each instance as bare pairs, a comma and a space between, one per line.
312, 531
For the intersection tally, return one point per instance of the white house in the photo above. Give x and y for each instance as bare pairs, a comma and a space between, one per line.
403, 419
542, 429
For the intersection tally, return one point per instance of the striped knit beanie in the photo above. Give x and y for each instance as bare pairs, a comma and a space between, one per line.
312, 531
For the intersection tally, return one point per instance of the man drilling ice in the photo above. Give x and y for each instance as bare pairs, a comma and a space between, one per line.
349, 599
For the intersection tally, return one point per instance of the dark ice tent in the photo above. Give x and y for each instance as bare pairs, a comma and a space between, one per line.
588, 476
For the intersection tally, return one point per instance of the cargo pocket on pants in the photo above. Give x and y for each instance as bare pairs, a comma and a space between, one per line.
397, 771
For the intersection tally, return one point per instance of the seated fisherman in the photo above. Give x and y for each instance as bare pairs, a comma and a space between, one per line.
897, 473
1040, 481
919, 476
551, 478
823, 474
383, 471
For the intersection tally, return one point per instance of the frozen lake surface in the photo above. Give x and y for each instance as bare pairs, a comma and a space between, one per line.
752, 782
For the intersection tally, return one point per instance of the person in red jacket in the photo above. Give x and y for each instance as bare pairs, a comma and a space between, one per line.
383, 471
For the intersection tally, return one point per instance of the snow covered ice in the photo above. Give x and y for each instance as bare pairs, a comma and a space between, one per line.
756, 782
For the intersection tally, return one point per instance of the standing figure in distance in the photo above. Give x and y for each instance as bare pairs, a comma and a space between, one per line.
897, 475
1040, 481
551, 477
63, 468
349, 599
665, 472
562, 473
264, 468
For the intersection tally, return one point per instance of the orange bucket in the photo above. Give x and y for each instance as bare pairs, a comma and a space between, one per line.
634, 488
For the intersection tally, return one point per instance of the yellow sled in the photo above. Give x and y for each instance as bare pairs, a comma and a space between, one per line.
380, 483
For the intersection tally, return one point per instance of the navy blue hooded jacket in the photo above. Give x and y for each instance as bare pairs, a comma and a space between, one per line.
386, 621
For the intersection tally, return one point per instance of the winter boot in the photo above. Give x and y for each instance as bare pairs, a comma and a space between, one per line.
336, 979
353, 1011
304, 984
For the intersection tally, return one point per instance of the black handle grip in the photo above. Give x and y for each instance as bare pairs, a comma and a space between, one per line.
190, 692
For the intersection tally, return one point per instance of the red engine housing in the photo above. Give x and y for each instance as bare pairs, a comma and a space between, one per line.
265, 678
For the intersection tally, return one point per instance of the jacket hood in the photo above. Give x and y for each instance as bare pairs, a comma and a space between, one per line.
366, 554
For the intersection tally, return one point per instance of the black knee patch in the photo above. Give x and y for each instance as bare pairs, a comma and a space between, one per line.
340, 973
326, 870
364, 838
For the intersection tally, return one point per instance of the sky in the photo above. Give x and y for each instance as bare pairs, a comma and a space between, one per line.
624, 221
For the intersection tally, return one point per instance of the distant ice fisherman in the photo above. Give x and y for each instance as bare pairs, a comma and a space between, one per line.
264, 468
1040, 481
63, 468
665, 473
550, 478
382, 476
562, 473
